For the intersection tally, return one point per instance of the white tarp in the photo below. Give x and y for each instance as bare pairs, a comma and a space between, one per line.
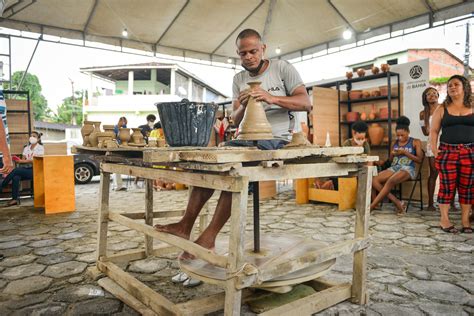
206, 29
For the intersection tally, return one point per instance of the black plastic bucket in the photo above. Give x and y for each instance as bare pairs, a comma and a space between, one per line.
187, 123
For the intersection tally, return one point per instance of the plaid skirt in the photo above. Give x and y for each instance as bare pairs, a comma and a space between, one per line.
455, 164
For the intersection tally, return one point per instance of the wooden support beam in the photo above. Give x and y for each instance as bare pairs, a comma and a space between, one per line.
148, 214
211, 181
158, 214
295, 171
117, 291
359, 271
313, 303
212, 303
103, 219
158, 303
179, 242
132, 255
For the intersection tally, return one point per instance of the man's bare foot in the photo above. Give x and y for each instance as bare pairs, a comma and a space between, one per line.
203, 242
173, 229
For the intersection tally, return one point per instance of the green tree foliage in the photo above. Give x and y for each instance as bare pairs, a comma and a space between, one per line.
31, 83
70, 111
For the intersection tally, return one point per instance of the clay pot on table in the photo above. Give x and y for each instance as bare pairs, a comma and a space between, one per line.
352, 116
86, 130
385, 67
349, 74
375, 93
152, 142
124, 135
372, 114
355, 94
137, 136
375, 70
94, 142
365, 94
361, 72
160, 142
109, 129
363, 116
375, 134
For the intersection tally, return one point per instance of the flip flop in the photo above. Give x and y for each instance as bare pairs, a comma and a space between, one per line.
450, 229
191, 282
466, 230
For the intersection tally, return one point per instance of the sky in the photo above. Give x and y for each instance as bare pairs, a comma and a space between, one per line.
57, 64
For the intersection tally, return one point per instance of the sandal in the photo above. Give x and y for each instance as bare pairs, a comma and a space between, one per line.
466, 230
450, 229
403, 210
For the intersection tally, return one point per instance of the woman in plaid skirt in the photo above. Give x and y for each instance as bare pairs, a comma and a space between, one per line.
455, 154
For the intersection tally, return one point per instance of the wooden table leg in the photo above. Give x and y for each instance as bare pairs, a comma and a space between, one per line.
359, 273
238, 219
148, 214
103, 221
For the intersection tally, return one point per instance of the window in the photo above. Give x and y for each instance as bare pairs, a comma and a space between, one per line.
392, 61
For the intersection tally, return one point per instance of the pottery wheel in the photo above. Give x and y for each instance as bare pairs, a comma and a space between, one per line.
275, 249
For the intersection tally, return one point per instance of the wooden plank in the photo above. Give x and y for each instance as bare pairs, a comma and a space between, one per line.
157, 214
179, 242
103, 220
355, 159
117, 291
359, 273
132, 255
284, 267
325, 115
221, 167
211, 181
158, 303
38, 182
313, 303
148, 214
296, 171
212, 303
238, 220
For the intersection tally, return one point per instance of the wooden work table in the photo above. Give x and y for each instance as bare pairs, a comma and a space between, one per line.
230, 169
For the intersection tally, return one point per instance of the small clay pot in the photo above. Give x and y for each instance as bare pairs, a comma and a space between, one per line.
160, 142
375, 70
363, 116
352, 116
349, 74
383, 91
365, 94
375, 134
375, 93
361, 72
86, 130
124, 135
355, 94
152, 142
372, 114
385, 67
137, 136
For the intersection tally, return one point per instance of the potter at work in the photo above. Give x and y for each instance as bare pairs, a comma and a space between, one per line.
281, 92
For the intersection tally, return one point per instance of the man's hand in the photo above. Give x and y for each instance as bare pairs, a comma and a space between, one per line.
244, 97
261, 95
7, 165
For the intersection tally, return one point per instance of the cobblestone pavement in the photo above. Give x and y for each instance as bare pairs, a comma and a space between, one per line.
414, 268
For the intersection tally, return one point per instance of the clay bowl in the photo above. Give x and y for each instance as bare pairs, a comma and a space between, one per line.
365, 94
375, 70
349, 74
355, 94
361, 72
352, 116
383, 113
385, 67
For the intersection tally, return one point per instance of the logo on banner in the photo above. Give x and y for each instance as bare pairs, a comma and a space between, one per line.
416, 72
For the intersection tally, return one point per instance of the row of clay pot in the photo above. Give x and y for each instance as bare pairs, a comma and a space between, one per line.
93, 136
136, 137
375, 70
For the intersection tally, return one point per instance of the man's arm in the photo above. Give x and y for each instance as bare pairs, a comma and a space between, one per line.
7, 159
297, 101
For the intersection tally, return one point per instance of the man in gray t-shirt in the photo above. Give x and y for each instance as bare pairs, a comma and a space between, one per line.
282, 90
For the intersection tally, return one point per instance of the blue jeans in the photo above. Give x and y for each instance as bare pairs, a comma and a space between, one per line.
15, 177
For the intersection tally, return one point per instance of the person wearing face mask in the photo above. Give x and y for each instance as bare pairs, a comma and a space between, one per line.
117, 178
33, 149
148, 127
406, 151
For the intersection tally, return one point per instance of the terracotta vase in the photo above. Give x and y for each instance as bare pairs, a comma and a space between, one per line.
93, 140
137, 136
124, 135
352, 116
375, 70
385, 67
372, 114
349, 74
375, 93
363, 116
361, 72
86, 130
375, 134
254, 125
365, 94
109, 129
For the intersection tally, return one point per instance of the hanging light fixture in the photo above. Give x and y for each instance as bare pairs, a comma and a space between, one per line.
125, 33
347, 34
278, 50
229, 60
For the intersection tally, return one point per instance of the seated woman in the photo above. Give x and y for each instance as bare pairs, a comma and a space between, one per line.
33, 149
406, 151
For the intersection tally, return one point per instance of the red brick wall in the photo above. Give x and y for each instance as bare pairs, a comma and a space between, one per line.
441, 63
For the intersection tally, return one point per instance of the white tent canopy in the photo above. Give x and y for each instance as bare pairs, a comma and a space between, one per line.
206, 29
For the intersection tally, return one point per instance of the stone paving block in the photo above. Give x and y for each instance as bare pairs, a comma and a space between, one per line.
70, 235
23, 271
439, 291
12, 244
76, 293
47, 251
45, 243
56, 258
49, 309
28, 285
149, 265
16, 261
27, 300
65, 269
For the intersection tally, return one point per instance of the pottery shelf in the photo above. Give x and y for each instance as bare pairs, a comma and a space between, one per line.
365, 100
369, 121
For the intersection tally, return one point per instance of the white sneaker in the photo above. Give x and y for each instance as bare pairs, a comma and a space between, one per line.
180, 277
191, 282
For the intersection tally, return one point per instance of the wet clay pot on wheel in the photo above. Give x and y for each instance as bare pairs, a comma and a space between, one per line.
375, 134
94, 142
124, 136
254, 125
137, 136
86, 130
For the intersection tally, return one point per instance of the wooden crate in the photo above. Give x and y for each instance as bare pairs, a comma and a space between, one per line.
59, 148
